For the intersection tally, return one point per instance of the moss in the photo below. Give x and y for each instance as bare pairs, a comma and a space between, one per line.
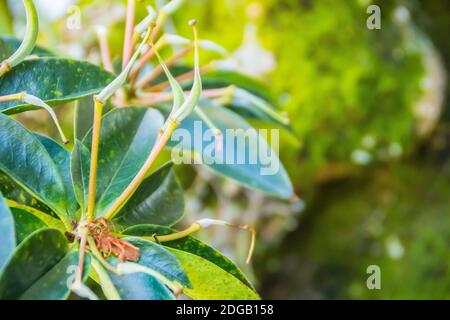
395, 217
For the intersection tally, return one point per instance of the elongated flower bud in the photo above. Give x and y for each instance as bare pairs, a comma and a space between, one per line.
194, 97
35, 101
172, 6
29, 40
147, 21
214, 47
206, 223
117, 83
174, 39
177, 90
182, 107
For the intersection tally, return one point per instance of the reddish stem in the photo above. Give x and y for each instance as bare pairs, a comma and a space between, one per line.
159, 69
128, 44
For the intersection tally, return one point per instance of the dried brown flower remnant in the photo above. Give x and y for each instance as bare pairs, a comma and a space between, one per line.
107, 245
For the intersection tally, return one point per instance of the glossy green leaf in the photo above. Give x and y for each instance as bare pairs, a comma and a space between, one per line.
250, 105
209, 282
7, 232
262, 170
61, 157
53, 285
25, 159
14, 192
138, 286
159, 259
25, 224
191, 245
40, 268
80, 168
53, 80
49, 220
159, 200
127, 137
18, 198
13, 44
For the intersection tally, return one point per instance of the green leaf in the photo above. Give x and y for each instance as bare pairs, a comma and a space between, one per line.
40, 268
270, 177
49, 221
210, 282
80, 168
53, 80
138, 286
191, 245
61, 157
25, 159
14, 43
25, 224
159, 200
53, 285
7, 232
17, 198
247, 104
159, 259
14, 192
127, 138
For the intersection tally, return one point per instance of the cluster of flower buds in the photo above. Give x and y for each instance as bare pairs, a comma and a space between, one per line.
182, 106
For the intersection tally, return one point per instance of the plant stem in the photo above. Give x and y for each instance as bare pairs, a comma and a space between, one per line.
82, 252
99, 256
193, 228
29, 40
90, 215
36, 102
98, 110
4, 68
128, 43
104, 50
13, 97
107, 285
145, 58
134, 185
157, 98
159, 70
184, 77
160, 20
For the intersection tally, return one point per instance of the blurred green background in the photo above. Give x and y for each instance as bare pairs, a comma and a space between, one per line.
369, 150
